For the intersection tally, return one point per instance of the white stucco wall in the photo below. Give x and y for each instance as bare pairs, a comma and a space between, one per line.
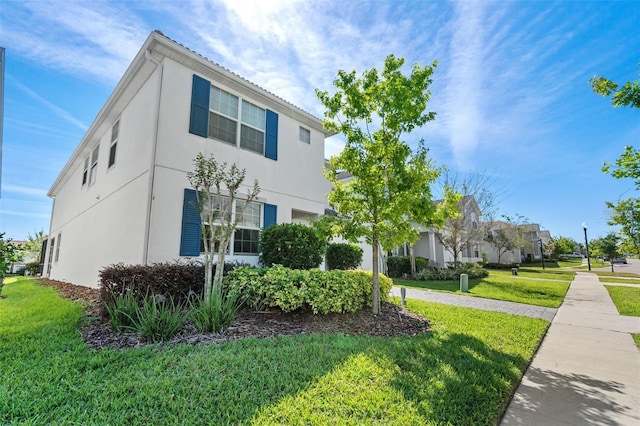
103, 223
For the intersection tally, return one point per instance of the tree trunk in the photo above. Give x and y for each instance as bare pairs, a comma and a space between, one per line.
208, 266
412, 260
376, 278
217, 279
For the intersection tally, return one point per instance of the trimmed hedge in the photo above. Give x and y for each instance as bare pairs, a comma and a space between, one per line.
321, 291
473, 270
177, 280
398, 266
343, 256
292, 245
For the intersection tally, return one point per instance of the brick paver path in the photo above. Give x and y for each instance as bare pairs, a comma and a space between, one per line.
479, 303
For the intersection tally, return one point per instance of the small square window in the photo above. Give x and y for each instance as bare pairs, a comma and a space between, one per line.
305, 135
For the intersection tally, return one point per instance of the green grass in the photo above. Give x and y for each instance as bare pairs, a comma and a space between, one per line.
509, 288
616, 274
626, 299
636, 338
526, 272
619, 280
462, 372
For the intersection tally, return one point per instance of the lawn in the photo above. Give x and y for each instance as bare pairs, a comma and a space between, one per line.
608, 279
626, 299
462, 372
540, 292
557, 275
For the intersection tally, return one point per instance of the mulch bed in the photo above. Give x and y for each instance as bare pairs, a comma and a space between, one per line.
393, 320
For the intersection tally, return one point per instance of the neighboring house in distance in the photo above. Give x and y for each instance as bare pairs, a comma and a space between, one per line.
123, 196
464, 231
527, 244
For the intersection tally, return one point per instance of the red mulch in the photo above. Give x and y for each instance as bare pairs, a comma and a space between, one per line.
393, 320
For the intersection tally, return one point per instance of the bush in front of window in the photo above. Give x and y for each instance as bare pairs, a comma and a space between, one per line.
397, 266
291, 245
343, 256
320, 291
473, 270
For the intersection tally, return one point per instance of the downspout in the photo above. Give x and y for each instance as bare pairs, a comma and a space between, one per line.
152, 165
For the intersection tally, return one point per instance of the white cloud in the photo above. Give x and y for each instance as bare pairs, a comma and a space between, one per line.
60, 112
75, 37
24, 190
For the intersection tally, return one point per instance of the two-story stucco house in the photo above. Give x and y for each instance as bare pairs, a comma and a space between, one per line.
123, 196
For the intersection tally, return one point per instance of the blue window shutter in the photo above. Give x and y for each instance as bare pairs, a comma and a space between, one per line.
199, 121
271, 136
270, 215
190, 237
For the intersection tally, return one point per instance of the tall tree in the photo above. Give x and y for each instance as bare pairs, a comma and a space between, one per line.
626, 166
391, 185
9, 253
626, 214
564, 245
608, 246
32, 247
217, 189
627, 95
507, 235
475, 210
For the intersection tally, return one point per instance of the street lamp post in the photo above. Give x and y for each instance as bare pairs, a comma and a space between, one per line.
541, 253
586, 243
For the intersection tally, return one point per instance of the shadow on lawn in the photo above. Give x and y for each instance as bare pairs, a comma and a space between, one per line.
456, 378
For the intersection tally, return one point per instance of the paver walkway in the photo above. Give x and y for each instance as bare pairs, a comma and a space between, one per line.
479, 303
587, 369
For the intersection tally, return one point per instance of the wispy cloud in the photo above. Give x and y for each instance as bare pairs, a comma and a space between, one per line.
24, 190
87, 39
60, 112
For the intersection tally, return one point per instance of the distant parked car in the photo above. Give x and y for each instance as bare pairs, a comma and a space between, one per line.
620, 260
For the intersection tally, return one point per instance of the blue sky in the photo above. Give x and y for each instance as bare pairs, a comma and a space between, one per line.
511, 90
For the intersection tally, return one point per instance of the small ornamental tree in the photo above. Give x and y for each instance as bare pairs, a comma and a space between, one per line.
390, 188
217, 189
9, 253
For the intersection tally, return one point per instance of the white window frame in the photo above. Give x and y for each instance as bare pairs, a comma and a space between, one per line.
59, 238
93, 169
85, 170
242, 225
113, 147
241, 119
304, 135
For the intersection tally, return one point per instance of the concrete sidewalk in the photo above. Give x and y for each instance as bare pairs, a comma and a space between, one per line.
479, 303
587, 370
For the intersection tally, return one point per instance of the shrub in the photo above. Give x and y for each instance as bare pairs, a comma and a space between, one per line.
217, 313
121, 310
321, 291
32, 268
291, 245
178, 280
158, 318
473, 270
343, 256
421, 263
398, 266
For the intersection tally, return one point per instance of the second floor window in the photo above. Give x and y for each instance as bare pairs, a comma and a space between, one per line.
227, 113
115, 130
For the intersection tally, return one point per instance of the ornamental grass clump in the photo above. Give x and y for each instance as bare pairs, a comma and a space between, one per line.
215, 313
158, 318
121, 310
